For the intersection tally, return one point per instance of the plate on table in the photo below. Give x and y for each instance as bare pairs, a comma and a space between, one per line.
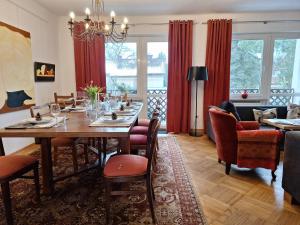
46, 119
108, 119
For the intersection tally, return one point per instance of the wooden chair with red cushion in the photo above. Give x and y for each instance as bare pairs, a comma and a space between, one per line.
130, 168
140, 128
61, 142
11, 168
246, 148
138, 135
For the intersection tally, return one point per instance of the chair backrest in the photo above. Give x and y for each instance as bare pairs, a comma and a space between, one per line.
64, 100
42, 109
151, 140
224, 128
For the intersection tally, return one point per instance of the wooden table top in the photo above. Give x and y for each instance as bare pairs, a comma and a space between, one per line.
279, 123
77, 125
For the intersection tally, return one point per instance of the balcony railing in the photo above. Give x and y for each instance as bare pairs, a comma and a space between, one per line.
278, 96
155, 96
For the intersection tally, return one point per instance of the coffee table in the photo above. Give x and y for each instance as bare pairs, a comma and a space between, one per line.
284, 124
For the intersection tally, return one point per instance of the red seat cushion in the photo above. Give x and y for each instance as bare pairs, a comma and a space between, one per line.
125, 165
138, 139
61, 142
139, 130
11, 164
144, 122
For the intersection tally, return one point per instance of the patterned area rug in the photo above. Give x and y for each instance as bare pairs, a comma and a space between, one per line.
80, 200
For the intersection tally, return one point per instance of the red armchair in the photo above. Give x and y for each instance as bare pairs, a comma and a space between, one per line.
249, 147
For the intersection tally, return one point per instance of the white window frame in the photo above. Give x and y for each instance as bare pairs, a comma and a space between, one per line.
267, 64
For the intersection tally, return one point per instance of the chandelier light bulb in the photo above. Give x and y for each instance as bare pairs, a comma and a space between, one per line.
112, 14
106, 27
123, 26
72, 15
87, 26
125, 20
87, 11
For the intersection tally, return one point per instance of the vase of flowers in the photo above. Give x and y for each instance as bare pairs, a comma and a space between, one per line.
93, 92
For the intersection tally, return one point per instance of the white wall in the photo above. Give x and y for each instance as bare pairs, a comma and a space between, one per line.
42, 25
199, 45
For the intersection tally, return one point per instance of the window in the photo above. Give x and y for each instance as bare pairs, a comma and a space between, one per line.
121, 67
157, 77
246, 65
157, 65
267, 66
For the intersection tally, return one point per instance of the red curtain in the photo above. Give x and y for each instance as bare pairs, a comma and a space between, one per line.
179, 88
218, 52
89, 60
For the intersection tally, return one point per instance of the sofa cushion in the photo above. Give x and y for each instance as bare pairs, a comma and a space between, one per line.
293, 111
260, 115
246, 112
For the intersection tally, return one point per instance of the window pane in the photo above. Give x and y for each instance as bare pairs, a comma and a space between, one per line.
286, 71
157, 75
246, 66
121, 67
157, 69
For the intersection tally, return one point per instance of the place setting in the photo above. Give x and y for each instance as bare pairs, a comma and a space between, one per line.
42, 121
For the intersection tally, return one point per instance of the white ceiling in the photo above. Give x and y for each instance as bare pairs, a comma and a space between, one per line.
158, 7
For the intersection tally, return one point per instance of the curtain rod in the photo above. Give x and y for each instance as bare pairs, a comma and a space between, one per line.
153, 24
234, 22
263, 21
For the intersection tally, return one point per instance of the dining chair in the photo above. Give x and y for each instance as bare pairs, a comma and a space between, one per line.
61, 142
146, 122
128, 168
64, 100
138, 137
13, 167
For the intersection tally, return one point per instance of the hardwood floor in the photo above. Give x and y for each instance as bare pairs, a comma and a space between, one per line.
244, 197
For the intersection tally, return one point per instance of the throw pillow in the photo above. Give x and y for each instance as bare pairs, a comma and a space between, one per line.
230, 108
260, 115
293, 111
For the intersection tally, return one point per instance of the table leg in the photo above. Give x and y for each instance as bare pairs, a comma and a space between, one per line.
47, 170
2, 152
125, 145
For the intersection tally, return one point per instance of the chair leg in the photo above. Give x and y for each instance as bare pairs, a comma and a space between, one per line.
150, 198
37, 182
7, 203
273, 175
55, 152
107, 202
152, 189
86, 155
227, 168
74, 158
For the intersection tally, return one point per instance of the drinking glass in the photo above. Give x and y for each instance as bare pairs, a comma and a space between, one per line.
55, 111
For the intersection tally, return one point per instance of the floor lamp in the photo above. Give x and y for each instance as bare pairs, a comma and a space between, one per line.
197, 73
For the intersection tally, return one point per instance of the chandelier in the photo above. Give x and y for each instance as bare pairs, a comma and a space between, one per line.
95, 25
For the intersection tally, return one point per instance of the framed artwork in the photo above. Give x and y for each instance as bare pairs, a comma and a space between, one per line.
44, 72
16, 80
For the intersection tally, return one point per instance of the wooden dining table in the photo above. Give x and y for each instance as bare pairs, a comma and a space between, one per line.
77, 126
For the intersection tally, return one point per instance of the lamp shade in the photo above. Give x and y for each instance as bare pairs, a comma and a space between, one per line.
197, 73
